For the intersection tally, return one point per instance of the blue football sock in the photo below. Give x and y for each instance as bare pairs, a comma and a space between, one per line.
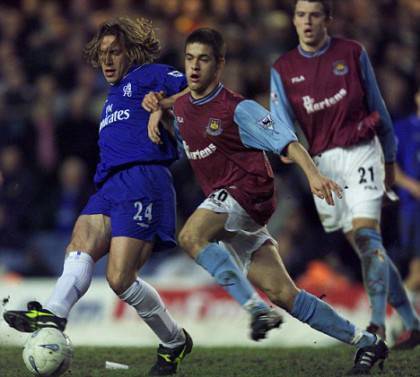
322, 317
397, 297
218, 261
375, 271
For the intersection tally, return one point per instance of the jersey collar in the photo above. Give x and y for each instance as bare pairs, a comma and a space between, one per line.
308, 54
213, 94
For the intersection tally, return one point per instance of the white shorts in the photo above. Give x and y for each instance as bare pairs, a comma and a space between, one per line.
360, 171
249, 236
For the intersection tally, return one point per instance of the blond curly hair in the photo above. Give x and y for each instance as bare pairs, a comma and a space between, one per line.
137, 36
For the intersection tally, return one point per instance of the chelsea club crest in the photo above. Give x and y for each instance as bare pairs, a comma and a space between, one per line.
214, 127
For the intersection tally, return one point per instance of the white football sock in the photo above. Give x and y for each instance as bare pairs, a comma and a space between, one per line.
72, 284
150, 307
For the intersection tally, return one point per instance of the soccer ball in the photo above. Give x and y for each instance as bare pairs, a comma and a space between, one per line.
48, 352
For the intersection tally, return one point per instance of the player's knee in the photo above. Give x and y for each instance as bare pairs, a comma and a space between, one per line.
119, 281
369, 242
188, 239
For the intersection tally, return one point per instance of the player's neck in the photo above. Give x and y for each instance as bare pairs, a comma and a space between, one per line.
198, 95
314, 48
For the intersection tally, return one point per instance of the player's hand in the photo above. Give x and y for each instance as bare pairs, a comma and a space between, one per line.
324, 188
151, 101
389, 175
153, 130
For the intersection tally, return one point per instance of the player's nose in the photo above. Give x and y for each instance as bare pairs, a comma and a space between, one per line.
108, 59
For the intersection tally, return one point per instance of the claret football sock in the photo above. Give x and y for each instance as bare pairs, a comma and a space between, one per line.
150, 307
72, 284
375, 271
220, 264
322, 317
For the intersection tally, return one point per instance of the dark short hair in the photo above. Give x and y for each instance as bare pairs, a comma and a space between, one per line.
208, 37
326, 4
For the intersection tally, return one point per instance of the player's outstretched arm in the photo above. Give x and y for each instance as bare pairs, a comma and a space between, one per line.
259, 129
153, 101
321, 186
153, 126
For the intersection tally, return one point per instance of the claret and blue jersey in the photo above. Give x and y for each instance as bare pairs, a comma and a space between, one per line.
224, 136
123, 135
333, 95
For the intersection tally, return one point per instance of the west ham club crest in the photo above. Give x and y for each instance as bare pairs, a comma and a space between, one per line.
340, 68
214, 127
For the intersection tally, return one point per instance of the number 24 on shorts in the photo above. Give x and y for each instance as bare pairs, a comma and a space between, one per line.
143, 213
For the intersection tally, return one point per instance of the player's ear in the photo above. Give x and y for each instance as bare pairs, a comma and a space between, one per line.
328, 20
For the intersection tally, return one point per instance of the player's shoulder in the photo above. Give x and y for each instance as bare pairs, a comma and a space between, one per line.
153, 70
286, 58
157, 68
230, 95
346, 44
229, 99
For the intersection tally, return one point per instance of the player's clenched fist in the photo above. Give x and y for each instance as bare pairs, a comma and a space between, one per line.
151, 101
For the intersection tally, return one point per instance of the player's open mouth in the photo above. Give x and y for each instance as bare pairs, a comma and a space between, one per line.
308, 32
194, 78
109, 72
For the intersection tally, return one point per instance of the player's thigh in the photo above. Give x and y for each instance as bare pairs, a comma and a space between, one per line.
218, 218
331, 164
268, 273
202, 227
91, 234
143, 205
126, 256
365, 179
361, 222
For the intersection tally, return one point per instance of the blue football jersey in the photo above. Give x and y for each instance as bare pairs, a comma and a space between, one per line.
123, 135
408, 134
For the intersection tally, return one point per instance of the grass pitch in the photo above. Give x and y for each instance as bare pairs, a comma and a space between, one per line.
221, 362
